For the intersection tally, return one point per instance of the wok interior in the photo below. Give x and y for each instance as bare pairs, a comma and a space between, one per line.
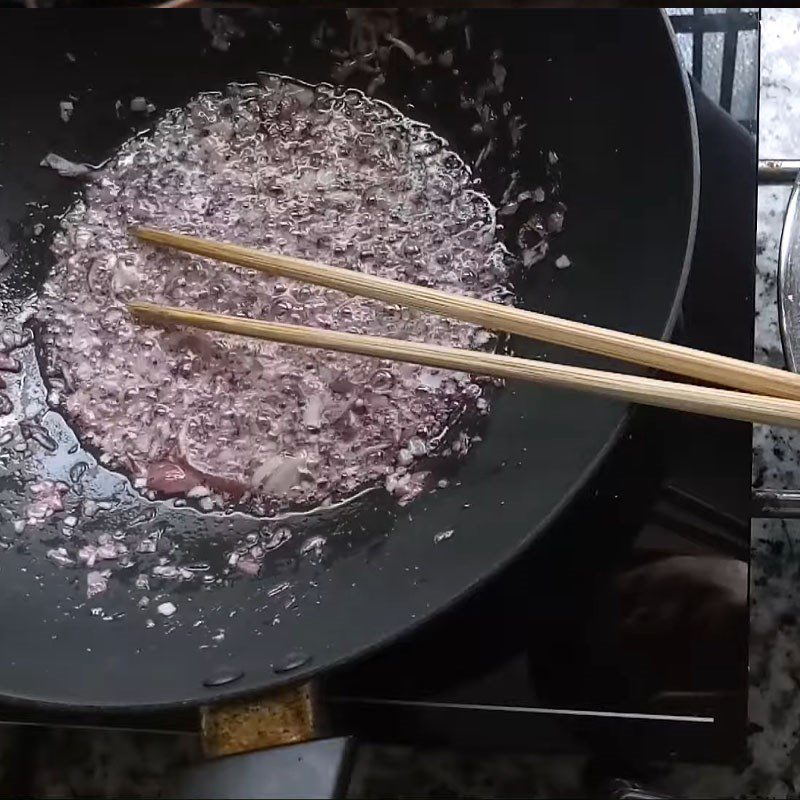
603, 109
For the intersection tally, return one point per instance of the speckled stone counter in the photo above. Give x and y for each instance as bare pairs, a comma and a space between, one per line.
775, 566
776, 456
120, 764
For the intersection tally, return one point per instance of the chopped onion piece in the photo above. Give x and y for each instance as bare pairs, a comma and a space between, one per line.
167, 609
64, 167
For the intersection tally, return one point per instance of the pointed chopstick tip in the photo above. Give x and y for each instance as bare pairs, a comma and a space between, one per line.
146, 313
146, 234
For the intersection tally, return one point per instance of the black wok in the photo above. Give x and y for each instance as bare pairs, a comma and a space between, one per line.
604, 90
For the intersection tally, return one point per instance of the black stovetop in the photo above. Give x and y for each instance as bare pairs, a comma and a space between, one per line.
547, 658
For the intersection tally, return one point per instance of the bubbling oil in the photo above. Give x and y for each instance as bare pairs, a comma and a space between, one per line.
312, 171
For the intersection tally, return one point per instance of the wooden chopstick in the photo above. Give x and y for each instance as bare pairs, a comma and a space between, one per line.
707, 367
631, 388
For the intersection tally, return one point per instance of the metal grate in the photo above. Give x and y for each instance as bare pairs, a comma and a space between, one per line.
720, 48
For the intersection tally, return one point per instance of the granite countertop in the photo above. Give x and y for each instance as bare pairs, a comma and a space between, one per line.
775, 550
102, 764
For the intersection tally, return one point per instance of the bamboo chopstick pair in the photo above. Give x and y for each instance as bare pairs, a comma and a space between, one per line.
765, 395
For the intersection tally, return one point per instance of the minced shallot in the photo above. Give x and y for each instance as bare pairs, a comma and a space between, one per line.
315, 172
